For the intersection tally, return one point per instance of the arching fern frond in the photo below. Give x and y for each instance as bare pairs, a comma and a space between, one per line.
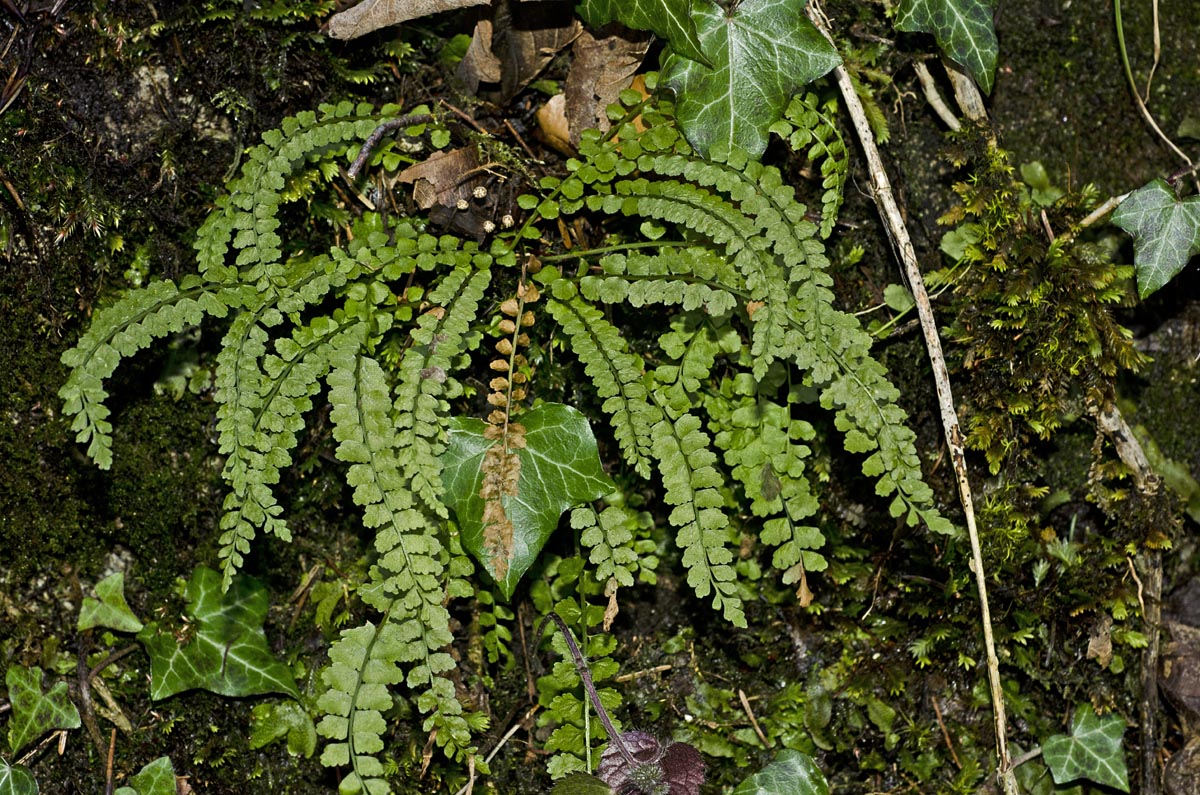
246, 218
616, 373
691, 485
406, 586
118, 332
809, 122
269, 395
425, 380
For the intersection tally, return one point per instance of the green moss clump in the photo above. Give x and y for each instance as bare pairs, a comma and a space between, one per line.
1033, 308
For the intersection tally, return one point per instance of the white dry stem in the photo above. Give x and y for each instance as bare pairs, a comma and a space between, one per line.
886, 202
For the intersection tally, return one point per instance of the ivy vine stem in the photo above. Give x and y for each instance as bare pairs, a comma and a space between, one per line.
898, 233
585, 675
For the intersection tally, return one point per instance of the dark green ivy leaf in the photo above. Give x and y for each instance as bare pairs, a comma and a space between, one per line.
156, 778
1165, 229
508, 501
16, 780
34, 714
222, 648
669, 19
1092, 750
791, 773
762, 52
110, 609
963, 28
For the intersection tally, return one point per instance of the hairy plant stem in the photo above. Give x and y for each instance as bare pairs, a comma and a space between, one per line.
898, 233
585, 675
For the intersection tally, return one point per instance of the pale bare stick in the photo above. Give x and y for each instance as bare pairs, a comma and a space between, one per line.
898, 233
934, 97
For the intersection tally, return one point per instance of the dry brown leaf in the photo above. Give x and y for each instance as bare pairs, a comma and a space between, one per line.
525, 38
444, 178
610, 612
803, 595
552, 126
371, 15
479, 64
600, 70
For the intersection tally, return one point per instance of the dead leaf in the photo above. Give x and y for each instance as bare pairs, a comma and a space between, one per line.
552, 126
479, 64
610, 612
371, 15
600, 70
803, 595
444, 178
446, 184
1100, 642
525, 38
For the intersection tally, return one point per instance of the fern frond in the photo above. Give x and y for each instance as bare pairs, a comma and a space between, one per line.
615, 372
406, 584
764, 448
425, 382
691, 483
682, 276
693, 343
810, 123
118, 332
264, 398
609, 538
246, 219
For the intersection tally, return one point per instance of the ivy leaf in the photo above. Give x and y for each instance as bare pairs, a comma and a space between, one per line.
110, 610
1092, 750
791, 773
762, 51
227, 651
1165, 229
16, 780
269, 722
34, 714
508, 501
963, 28
579, 783
669, 19
156, 778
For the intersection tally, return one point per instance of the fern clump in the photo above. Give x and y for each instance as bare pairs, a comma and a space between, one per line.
716, 402
746, 281
301, 322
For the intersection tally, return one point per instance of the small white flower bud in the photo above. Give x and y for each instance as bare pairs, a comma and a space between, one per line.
480, 192
461, 204
489, 227
507, 221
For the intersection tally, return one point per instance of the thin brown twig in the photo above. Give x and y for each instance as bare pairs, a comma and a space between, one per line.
108, 767
508, 735
937, 710
464, 116
658, 669
753, 721
520, 140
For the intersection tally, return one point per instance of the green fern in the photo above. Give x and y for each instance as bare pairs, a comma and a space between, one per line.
809, 122
711, 399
